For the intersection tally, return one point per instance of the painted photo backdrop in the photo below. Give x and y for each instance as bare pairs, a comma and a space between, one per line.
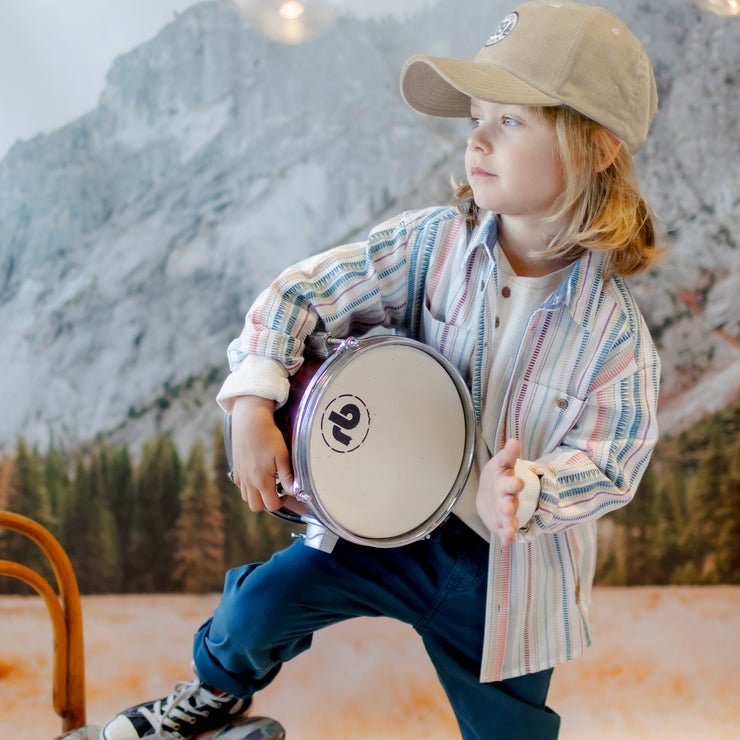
135, 237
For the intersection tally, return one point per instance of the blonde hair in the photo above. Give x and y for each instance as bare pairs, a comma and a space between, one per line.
603, 209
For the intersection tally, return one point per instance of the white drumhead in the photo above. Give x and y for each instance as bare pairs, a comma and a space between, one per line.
386, 441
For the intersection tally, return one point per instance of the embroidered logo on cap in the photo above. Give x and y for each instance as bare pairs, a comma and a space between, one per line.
504, 29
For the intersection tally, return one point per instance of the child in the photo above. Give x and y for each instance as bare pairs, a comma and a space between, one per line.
521, 287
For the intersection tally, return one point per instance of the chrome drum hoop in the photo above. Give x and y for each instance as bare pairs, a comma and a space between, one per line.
348, 351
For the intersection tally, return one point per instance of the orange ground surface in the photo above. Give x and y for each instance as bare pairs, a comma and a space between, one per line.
664, 665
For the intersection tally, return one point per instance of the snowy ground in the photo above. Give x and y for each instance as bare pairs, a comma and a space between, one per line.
664, 665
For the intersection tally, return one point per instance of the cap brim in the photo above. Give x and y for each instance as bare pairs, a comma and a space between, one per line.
439, 86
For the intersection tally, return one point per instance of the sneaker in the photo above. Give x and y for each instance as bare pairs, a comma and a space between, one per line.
192, 709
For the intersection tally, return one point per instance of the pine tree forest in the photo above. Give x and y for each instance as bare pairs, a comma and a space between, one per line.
162, 523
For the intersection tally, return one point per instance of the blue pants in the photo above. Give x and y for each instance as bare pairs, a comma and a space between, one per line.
269, 612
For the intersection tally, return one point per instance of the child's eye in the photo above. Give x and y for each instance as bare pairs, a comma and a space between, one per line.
476, 122
509, 121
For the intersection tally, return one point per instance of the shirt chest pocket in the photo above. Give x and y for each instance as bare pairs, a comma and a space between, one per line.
454, 341
541, 417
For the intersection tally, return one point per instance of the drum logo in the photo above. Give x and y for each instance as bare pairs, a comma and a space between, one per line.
345, 423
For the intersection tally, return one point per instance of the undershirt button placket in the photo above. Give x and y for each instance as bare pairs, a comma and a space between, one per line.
505, 293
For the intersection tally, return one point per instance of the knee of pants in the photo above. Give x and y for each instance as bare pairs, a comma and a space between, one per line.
233, 649
248, 605
258, 596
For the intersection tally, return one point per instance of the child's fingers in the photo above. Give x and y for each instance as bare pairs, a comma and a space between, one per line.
507, 534
497, 500
513, 484
508, 523
503, 462
509, 454
508, 506
284, 472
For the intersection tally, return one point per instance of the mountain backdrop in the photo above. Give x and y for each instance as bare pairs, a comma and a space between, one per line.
134, 239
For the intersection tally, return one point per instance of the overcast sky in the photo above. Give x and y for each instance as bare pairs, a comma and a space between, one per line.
54, 54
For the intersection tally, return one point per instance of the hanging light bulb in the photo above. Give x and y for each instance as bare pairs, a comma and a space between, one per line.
720, 7
289, 21
291, 10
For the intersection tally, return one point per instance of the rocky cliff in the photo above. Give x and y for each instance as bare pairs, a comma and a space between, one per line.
134, 239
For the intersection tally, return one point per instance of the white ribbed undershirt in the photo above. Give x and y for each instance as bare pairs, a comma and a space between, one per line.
517, 299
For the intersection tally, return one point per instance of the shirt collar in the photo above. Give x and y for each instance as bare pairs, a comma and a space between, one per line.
579, 292
484, 235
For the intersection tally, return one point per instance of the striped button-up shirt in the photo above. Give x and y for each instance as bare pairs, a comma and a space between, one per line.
581, 398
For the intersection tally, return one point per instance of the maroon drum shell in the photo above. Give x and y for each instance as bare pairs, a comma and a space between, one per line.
286, 415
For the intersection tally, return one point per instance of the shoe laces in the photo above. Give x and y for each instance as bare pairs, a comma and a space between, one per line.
178, 707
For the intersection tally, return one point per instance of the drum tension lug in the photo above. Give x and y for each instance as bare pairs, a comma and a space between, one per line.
298, 535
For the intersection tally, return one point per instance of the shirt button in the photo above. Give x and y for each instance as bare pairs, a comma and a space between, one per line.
562, 403
497, 322
506, 291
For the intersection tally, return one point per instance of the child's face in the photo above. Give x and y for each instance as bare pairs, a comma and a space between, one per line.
512, 160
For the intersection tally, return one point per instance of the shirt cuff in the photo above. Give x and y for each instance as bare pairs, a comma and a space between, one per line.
529, 495
256, 376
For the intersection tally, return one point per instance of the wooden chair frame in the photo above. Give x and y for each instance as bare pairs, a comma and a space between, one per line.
65, 611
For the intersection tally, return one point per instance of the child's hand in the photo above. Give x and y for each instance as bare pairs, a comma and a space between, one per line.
259, 451
498, 493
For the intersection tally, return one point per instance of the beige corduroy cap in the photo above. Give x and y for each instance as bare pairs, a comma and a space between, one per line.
547, 52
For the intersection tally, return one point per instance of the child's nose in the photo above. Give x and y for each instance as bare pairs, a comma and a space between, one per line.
479, 140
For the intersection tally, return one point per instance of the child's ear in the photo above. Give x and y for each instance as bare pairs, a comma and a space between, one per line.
609, 146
